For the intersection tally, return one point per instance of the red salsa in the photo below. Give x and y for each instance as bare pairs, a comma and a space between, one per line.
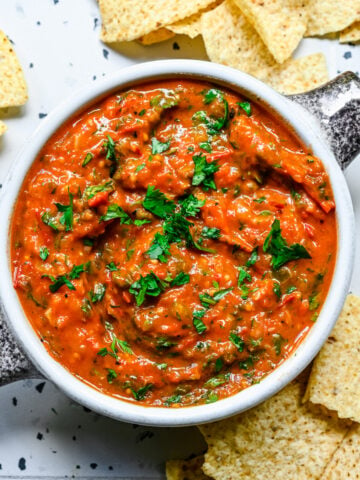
173, 244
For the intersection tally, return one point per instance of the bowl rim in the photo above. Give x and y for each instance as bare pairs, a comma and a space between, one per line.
305, 128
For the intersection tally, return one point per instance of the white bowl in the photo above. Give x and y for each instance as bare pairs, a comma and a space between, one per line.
305, 128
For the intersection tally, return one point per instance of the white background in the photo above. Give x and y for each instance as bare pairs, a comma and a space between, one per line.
58, 46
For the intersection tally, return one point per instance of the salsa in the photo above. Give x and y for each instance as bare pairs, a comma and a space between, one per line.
173, 243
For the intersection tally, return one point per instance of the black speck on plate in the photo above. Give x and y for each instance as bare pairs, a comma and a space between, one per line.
40, 386
22, 463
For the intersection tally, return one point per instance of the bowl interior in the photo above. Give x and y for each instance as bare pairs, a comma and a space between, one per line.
303, 127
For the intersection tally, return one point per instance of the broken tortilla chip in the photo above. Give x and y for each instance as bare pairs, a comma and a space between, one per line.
281, 436
3, 128
327, 16
191, 26
281, 24
350, 34
13, 89
126, 20
231, 40
335, 376
186, 469
346, 461
156, 37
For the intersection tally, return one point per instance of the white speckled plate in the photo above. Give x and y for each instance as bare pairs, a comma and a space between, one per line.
43, 435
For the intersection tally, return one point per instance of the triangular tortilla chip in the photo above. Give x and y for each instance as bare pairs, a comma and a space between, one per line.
191, 26
335, 377
231, 40
13, 90
350, 34
126, 20
280, 23
3, 128
156, 37
345, 464
186, 469
327, 16
280, 439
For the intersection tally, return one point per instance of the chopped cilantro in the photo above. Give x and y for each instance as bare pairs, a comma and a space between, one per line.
246, 107
219, 363
92, 190
98, 293
173, 399
253, 257
111, 375
43, 253
206, 146
213, 233
190, 206
217, 381
313, 302
237, 341
48, 220
109, 147
216, 124
277, 290
140, 222
67, 213
112, 267
291, 289
211, 397
141, 393
278, 341
150, 285
281, 252
166, 99
243, 275
157, 203
180, 279
142, 112
207, 300
115, 211
61, 280
159, 248
199, 324
159, 147
260, 199
140, 167
204, 172
88, 157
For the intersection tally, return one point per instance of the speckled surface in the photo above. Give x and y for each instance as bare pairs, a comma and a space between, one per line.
43, 434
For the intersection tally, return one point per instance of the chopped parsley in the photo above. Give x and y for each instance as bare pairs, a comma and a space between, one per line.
198, 323
180, 279
157, 203
150, 285
159, 147
92, 190
190, 206
237, 341
217, 381
98, 293
60, 280
206, 146
281, 252
111, 375
277, 290
246, 107
159, 248
207, 300
48, 220
204, 172
43, 253
243, 275
112, 267
67, 216
213, 233
115, 211
88, 157
141, 393
253, 257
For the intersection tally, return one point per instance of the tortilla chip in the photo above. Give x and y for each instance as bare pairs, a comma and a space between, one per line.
186, 469
335, 377
350, 34
345, 464
231, 40
13, 89
191, 26
281, 24
156, 37
126, 20
327, 16
282, 438
3, 128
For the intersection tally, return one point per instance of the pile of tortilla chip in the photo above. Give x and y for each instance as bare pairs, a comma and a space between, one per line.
308, 431
13, 89
255, 36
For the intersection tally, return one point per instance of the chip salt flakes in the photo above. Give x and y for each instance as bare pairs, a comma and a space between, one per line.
231, 40
350, 34
13, 90
126, 20
281, 438
156, 37
326, 16
280, 23
191, 26
186, 469
335, 377
345, 464
3, 127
